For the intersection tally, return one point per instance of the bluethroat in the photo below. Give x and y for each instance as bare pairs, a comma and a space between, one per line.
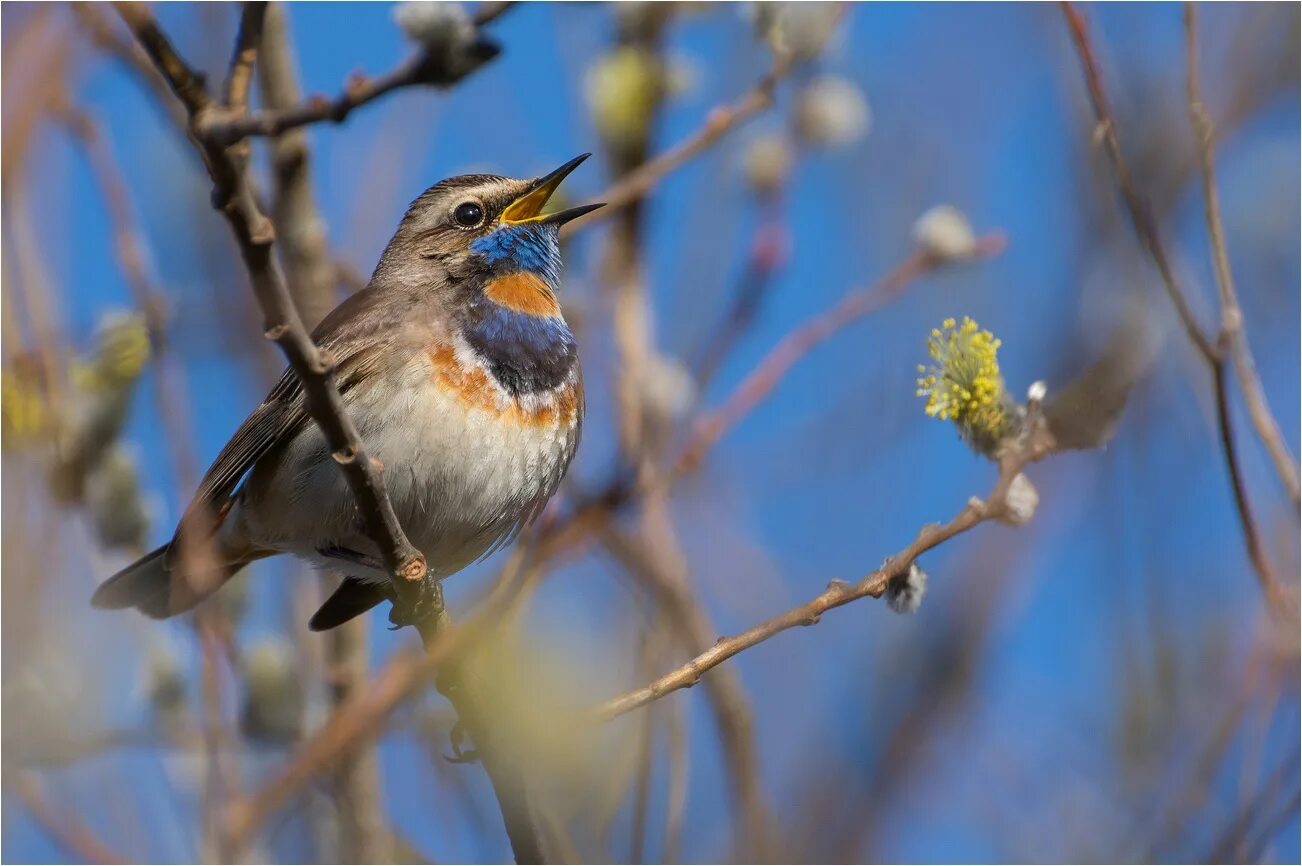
462, 377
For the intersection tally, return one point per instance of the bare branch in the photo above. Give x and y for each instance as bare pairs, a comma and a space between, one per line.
1037, 444
65, 829
1212, 352
1141, 216
1232, 327
718, 122
774, 366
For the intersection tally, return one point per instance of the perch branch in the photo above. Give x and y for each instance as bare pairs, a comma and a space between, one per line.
234, 197
314, 367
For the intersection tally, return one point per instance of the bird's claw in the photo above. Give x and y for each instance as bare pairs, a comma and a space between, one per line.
423, 604
460, 755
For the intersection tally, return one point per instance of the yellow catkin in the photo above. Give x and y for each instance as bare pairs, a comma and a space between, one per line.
964, 384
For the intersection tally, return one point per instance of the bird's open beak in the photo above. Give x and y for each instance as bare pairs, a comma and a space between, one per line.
528, 207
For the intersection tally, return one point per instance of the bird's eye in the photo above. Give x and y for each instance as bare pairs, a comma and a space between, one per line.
468, 214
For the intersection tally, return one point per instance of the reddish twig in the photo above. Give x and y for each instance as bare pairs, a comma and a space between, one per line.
1232, 328
770, 371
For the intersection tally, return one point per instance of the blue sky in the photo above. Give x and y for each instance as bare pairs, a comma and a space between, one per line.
978, 105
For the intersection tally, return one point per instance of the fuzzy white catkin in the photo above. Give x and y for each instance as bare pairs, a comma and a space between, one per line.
904, 596
440, 27
768, 163
798, 29
1021, 501
832, 112
668, 388
945, 233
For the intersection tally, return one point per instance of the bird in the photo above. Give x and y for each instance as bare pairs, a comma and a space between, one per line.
457, 367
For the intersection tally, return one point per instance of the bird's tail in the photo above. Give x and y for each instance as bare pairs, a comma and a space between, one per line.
158, 587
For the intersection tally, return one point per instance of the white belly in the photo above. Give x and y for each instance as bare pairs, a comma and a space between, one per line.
461, 475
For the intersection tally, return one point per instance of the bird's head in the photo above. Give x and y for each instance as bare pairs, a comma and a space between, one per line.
467, 232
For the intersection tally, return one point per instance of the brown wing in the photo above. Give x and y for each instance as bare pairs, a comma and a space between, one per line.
361, 333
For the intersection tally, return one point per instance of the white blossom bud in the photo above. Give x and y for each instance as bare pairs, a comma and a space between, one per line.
798, 29
832, 112
768, 163
945, 233
438, 27
1020, 502
668, 389
904, 594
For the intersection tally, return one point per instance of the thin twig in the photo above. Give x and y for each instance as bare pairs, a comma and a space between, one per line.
1232, 327
718, 122
770, 371
239, 79
1212, 352
1140, 214
1036, 445
422, 68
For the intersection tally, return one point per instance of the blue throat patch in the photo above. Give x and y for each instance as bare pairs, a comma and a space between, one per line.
526, 353
529, 247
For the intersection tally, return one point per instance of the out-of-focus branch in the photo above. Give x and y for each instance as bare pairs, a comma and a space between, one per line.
656, 559
718, 122
169, 382
65, 829
1036, 444
774, 366
1232, 328
362, 716
300, 229
1211, 352
363, 832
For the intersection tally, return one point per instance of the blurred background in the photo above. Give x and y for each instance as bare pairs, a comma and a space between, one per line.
1104, 683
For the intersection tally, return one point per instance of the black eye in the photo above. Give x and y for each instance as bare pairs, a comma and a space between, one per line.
468, 214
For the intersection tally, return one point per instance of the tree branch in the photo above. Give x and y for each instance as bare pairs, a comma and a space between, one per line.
1211, 352
718, 122
1236, 338
233, 196
1037, 444
314, 368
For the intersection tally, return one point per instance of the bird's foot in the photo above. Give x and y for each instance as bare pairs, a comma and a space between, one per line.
460, 754
421, 606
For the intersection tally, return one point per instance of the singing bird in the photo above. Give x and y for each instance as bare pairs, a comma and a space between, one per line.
462, 378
